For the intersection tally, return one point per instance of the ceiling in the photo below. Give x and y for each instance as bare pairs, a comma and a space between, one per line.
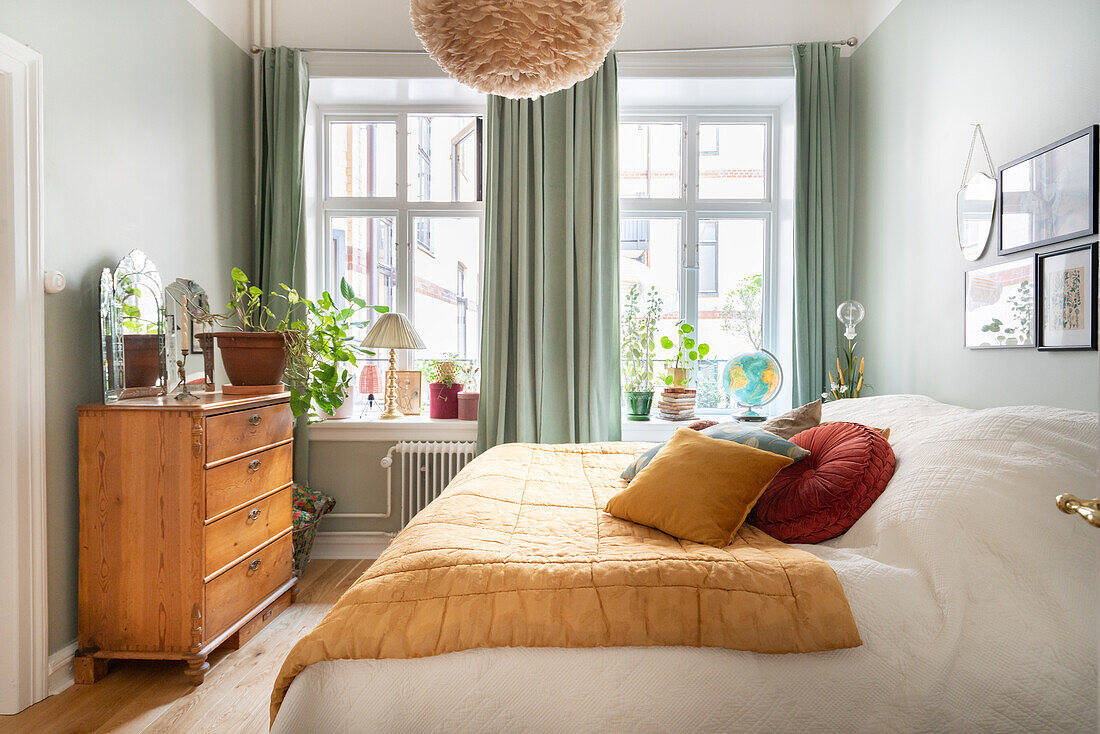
358, 24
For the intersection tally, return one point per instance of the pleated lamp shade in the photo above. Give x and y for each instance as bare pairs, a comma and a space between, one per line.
392, 331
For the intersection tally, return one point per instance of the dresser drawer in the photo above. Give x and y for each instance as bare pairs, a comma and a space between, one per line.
239, 532
231, 434
236, 482
240, 589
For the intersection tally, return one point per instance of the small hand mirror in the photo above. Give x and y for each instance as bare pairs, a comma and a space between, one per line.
974, 210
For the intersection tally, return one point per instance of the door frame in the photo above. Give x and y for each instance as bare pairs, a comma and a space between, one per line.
24, 634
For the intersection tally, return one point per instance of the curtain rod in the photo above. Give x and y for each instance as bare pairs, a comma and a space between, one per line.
852, 41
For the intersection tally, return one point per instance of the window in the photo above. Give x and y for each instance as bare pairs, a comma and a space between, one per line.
649, 160
704, 246
403, 224
362, 159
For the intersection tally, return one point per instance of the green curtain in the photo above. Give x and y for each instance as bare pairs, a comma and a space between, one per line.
278, 237
550, 292
820, 258
278, 240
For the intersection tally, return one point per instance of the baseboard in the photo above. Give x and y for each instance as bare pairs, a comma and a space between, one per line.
61, 668
367, 545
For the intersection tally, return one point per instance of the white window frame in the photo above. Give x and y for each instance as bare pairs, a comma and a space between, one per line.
690, 208
399, 207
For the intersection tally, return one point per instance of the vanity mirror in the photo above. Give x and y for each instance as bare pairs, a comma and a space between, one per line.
974, 203
131, 316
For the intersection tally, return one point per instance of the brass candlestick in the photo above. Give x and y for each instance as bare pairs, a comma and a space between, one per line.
391, 390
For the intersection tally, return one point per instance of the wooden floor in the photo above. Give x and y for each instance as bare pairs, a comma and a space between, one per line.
151, 696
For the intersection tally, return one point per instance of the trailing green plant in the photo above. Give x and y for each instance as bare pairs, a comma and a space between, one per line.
742, 310
688, 353
641, 314
321, 345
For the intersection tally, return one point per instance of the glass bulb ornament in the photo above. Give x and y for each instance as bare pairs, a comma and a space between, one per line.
850, 313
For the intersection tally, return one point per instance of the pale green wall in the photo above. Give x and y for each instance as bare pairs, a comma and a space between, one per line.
1029, 72
148, 143
351, 473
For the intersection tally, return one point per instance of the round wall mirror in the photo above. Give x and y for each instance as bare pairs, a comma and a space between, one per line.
974, 211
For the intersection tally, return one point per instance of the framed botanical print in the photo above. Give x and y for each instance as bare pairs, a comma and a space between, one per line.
1049, 196
1066, 298
408, 391
1000, 305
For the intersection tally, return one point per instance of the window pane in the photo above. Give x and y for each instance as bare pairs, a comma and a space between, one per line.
649, 259
443, 164
732, 161
364, 253
649, 160
730, 314
362, 159
445, 302
365, 256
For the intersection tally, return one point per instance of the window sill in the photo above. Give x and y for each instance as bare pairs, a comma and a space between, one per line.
653, 430
408, 428
422, 428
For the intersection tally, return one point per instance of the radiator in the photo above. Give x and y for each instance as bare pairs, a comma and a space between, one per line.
424, 469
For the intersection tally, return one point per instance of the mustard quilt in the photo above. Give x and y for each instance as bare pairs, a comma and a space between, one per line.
518, 552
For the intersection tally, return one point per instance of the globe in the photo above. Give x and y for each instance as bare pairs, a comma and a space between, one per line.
752, 379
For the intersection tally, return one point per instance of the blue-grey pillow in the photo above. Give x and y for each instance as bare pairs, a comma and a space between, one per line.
740, 433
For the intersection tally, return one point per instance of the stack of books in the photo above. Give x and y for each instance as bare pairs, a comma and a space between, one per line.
677, 404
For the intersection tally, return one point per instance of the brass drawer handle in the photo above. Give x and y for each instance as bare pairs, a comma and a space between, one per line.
1089, 510
254, 565
255, 419
254, 465
254, 514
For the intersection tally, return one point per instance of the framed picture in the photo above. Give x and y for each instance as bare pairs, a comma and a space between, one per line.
1049, 196
1000, 305
408, 391
1066, 298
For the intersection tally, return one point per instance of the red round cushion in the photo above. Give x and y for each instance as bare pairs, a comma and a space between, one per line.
823, 495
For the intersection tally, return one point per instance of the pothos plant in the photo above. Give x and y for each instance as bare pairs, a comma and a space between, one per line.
641, 313
320, 340
688, 354
321, 349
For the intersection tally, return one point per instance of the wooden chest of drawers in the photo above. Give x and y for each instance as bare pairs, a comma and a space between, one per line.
185, 527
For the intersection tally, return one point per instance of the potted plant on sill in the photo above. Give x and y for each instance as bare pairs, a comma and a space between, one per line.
322, 352
638, 331
469, 398
443, 387
688, 355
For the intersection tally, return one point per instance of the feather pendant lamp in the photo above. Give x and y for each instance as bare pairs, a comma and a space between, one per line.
518, 48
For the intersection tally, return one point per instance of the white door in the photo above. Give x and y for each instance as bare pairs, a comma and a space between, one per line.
23, 633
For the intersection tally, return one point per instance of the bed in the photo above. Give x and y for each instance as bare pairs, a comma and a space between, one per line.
975, 602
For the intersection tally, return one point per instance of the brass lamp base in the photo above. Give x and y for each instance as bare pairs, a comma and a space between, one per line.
391, 390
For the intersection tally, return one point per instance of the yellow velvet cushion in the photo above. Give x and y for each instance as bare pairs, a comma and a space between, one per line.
698, 488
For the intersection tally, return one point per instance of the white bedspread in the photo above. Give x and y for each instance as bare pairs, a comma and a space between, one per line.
975, 598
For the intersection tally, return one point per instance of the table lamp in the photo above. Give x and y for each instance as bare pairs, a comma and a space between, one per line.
392, 331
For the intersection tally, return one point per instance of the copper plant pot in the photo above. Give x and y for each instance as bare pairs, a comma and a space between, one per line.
253, 357
141, 357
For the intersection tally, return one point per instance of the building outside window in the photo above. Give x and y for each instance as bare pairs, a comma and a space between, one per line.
402, 216
698, 207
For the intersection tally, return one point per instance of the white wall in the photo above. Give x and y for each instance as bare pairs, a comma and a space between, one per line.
232, 17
